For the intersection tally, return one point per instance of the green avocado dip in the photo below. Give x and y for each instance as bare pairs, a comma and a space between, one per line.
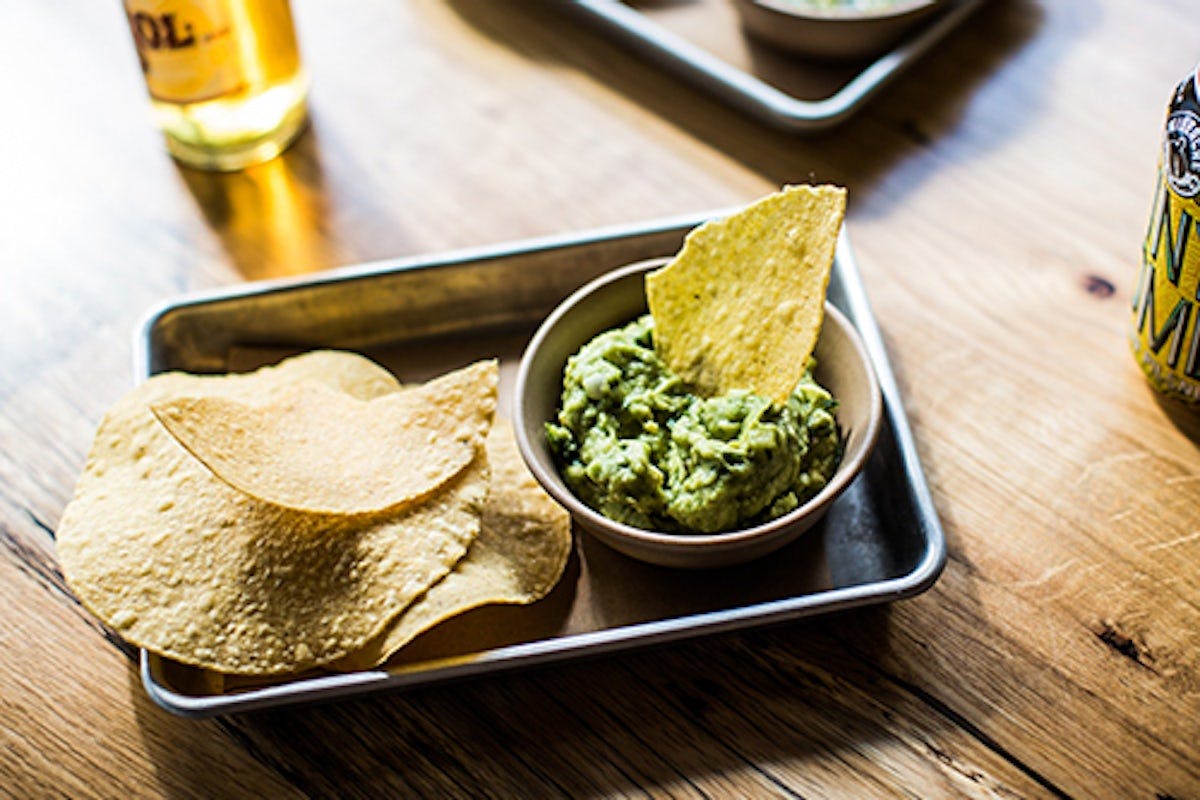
636, 445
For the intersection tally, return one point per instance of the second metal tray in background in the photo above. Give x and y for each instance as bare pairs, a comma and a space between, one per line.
880, 541
702, 42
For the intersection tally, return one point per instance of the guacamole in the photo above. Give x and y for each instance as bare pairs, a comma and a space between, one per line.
636, 445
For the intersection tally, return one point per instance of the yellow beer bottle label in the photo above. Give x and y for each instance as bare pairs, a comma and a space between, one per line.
188, 48
1165, 331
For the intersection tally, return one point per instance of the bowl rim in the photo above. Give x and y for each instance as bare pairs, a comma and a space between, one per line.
556, 486
798, 10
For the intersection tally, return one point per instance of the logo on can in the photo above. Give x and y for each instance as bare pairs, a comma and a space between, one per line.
1181, 153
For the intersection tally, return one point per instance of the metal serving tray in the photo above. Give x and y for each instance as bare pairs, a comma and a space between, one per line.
880, 541
702, 42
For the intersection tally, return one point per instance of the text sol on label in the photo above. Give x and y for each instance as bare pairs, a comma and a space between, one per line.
187, 51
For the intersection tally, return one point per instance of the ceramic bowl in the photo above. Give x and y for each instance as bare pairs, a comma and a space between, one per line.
832, 33
619, 297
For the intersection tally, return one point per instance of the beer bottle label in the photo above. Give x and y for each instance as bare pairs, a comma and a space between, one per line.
187, 48
1166, 303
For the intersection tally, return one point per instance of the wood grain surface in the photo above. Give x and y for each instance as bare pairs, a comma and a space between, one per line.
998, 196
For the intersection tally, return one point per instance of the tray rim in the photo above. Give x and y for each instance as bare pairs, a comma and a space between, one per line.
144, 327
750, 93
610, 640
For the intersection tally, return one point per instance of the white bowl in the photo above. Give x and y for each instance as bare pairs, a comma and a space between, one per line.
618, 297
832, 33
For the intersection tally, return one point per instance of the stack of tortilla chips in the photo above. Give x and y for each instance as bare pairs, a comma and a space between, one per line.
310, 514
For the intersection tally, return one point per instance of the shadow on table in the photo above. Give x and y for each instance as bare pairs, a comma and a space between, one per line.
740, 710
1182, 416
759, 705
909, 114
189, 758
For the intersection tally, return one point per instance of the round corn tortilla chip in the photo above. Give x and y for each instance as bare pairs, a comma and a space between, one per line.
518, 557
181, 564
741, 305
312, 448
347, 372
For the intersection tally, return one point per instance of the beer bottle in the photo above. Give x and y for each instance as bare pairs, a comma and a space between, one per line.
226, 84
1165, 333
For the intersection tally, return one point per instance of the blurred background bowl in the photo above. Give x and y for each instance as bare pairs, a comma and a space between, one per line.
832, 33
843, 368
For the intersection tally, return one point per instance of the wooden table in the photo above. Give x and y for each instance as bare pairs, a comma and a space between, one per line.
999, 194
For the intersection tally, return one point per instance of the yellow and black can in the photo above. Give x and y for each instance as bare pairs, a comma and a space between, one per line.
1165, 329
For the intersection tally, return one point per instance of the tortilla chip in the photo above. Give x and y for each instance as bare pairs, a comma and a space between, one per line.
741, 305
178, 562
519, 556
347, 372
312, 448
